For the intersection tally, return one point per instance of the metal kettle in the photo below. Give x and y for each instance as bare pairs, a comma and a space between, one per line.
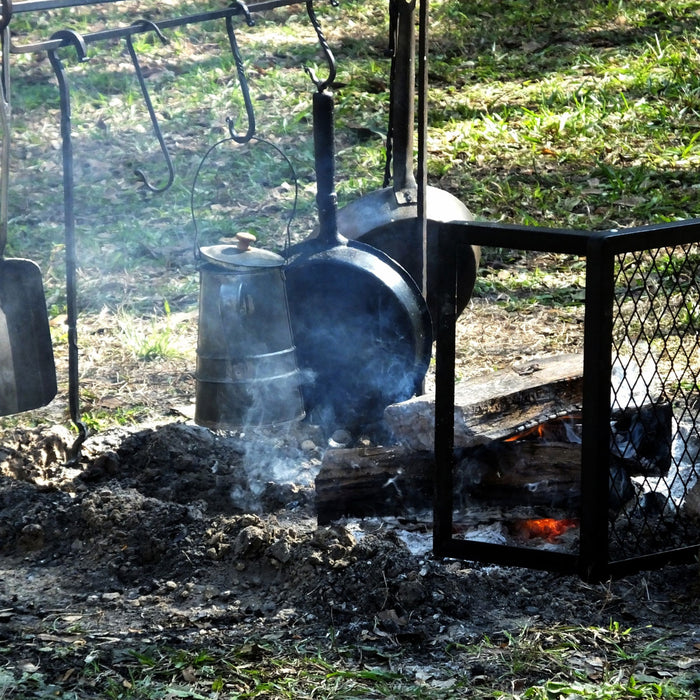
246, 364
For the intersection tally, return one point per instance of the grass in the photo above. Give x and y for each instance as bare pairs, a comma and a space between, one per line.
158, 339
592, 663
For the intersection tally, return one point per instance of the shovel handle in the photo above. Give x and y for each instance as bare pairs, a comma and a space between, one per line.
5, 128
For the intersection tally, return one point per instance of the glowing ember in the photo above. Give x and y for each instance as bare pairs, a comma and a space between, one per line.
535, 432
546, 528
559, 429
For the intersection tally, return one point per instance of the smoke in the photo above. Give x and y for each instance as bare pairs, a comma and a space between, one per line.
632, 383
278, 464
360, 339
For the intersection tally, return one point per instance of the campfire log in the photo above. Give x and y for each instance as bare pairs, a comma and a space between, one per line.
362, 482
514, 448
521, 473
524, 473
379, 481
495, 406
538, 466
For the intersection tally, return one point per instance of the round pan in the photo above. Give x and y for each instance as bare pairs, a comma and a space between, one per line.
361, 327
387, 218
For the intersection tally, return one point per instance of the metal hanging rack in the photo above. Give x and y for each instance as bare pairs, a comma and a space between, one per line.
80, 42
123, 32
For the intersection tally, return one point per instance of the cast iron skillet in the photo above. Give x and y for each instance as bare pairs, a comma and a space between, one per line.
361, 327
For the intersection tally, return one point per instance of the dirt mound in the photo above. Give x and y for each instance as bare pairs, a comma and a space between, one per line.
175, 530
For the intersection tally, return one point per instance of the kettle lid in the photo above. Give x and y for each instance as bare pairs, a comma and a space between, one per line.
242, 254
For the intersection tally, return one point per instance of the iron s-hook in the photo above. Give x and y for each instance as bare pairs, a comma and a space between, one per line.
70, 37
145, 23
321, 85
242, 80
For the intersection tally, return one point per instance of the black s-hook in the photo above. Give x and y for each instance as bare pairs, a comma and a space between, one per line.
321, 85
242, 80
149, 105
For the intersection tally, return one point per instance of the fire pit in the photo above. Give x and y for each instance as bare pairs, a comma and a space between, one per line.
633, 448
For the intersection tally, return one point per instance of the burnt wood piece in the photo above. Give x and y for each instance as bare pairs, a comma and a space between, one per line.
495, 406
531, 473
536, 467
363, 482
372, 481
521, 473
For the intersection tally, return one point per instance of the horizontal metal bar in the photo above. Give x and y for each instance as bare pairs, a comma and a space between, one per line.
121, 32
34, 5
30, 6
486, 233
571, 241
681, 555
627, 240
508, 555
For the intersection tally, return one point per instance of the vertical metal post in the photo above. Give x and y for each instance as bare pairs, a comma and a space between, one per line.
69, 225
595, 450
422, 179
445, 393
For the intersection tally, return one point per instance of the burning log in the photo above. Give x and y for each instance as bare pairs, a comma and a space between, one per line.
378, 481
510, 448
521, 473
524, 473
363, 482
538, 466
495, 406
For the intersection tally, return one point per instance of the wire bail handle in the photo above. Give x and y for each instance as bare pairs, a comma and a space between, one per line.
285, 157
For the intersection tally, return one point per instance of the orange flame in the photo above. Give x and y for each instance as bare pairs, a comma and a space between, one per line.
554, 429
546, 528
536, 431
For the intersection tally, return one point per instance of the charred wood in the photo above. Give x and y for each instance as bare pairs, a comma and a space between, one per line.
641, 439
364, 482
495, 406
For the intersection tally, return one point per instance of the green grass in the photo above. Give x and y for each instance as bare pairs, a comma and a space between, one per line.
547, 663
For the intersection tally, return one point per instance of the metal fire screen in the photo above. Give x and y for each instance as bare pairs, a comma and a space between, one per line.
641, 381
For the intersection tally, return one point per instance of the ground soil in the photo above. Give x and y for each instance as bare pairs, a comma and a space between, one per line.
169, 533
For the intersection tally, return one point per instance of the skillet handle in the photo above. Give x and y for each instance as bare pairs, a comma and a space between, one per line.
324, 158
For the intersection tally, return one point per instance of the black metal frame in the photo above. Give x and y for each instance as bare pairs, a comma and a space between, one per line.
593, 561
54, 43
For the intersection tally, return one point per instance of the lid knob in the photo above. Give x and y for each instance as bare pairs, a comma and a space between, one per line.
244, 240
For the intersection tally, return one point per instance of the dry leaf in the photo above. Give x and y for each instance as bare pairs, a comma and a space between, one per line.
189, 675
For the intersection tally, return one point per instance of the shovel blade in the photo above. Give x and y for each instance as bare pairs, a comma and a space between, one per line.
27, 369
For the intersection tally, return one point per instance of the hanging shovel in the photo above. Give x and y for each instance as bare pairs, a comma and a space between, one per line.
27, 370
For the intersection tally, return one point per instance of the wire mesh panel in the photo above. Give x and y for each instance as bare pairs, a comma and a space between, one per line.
637, 503
654, 398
